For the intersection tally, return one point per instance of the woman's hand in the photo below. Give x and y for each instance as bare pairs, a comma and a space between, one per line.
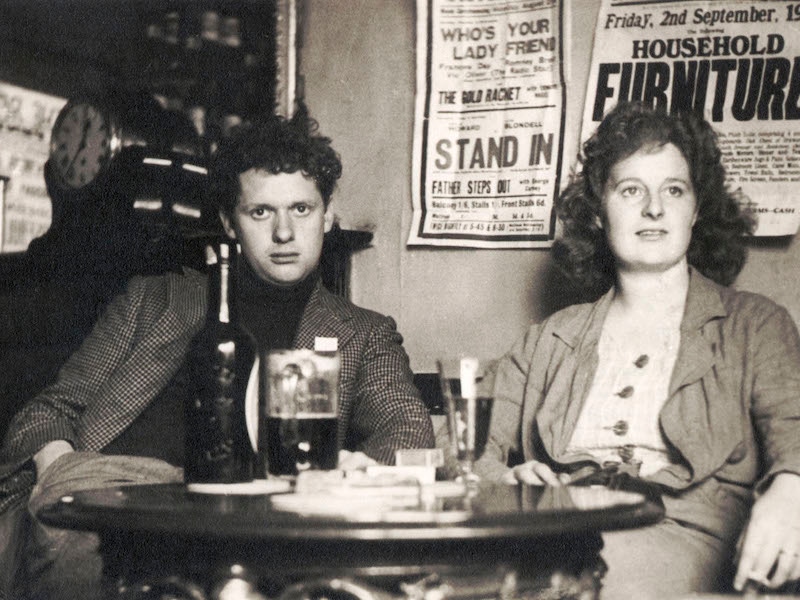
535, 473
772, 536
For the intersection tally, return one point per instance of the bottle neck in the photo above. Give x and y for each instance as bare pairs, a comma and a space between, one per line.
223, 286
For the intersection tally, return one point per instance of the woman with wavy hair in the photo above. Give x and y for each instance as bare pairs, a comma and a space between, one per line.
666, 374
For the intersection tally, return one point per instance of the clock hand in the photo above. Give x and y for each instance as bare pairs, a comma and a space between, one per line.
80, 149
85, 134
82, 143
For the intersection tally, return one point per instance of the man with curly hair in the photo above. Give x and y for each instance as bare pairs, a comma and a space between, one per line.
115, 413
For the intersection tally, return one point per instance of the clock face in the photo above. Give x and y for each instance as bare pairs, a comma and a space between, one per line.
82, 144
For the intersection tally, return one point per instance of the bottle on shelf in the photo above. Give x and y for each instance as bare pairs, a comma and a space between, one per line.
210, 60
218, 444
230, 32
209, 26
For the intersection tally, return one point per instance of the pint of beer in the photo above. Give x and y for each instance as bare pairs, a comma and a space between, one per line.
300, 409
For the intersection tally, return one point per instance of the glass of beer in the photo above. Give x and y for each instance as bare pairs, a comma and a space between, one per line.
469, 413
300, 408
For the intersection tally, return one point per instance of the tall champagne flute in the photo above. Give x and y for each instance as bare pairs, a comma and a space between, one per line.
468, 418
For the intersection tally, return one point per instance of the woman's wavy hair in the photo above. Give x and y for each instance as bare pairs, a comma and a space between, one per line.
717, 248
276, 145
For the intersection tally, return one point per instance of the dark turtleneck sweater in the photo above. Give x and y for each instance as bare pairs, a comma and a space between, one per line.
270, 313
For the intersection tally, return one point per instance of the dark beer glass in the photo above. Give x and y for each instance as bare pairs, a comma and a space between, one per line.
300, 412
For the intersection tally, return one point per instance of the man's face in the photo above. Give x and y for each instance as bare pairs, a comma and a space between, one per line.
280, 221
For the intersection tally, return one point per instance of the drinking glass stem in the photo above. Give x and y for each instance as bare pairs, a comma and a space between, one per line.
466, 474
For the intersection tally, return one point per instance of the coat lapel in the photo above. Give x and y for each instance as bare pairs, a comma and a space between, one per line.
696, 357
322, 319
569, 376
152, 363
698, 417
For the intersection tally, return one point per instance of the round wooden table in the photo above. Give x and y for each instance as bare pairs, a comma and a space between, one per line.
161, 541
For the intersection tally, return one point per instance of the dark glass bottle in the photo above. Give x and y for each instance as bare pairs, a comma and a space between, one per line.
218, 446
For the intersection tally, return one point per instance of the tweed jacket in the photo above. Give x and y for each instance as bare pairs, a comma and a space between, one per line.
731, 416
140, 342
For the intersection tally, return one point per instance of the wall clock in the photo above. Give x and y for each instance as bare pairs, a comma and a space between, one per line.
85, 139
97, 135
118, 155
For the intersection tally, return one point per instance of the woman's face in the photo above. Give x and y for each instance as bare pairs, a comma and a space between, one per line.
649, 208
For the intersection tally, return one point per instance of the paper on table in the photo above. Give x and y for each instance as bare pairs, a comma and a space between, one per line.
259, 486
422, 474
355, 507
364, 496
364, 504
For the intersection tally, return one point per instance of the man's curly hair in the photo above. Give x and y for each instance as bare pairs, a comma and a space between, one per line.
276, 145
717, 248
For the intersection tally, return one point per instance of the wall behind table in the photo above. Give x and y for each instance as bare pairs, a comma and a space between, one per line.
358, 64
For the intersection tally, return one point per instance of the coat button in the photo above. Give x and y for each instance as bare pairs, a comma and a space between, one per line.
619, 428
626, 392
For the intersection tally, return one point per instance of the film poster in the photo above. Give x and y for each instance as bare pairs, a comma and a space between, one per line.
736, 61
26, 118
489, 123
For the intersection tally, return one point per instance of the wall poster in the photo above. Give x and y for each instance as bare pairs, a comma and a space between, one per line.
738, 61
489, 123
26, 118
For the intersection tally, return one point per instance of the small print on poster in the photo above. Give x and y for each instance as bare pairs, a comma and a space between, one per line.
736, 61
26, 118
489, 123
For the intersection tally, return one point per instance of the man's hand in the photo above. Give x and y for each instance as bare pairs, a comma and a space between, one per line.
772, 536
535, 473
351, 461
49, 453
